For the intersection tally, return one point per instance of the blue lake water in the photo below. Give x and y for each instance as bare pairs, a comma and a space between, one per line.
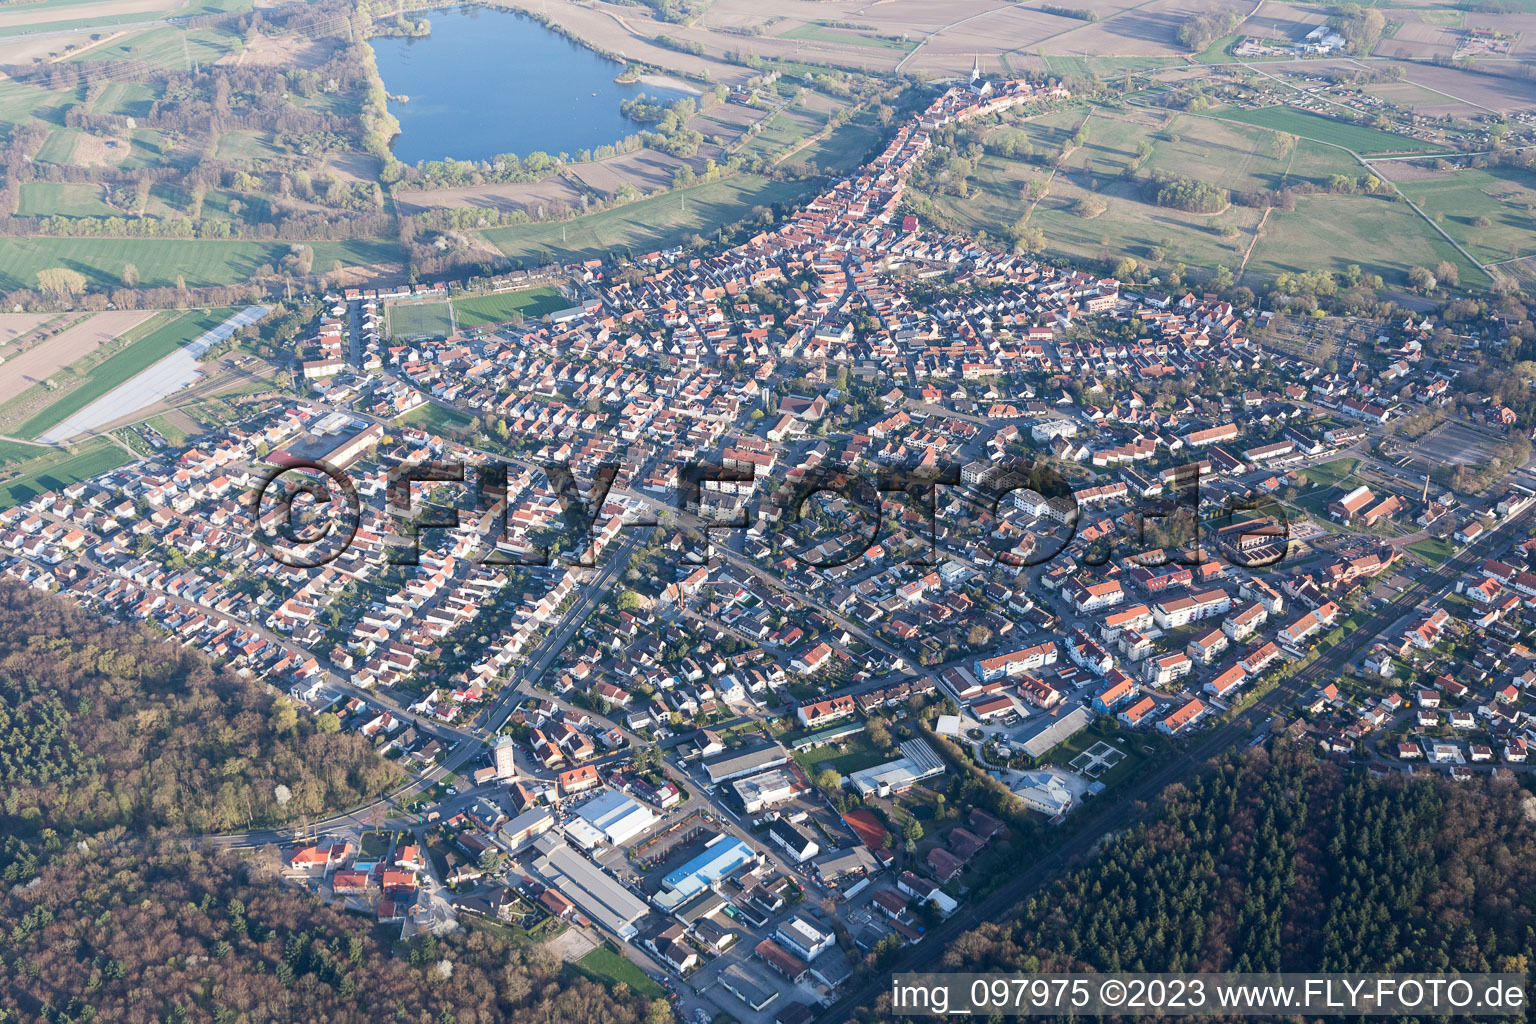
488, 82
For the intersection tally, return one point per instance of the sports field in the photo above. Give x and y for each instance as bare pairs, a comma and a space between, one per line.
419, 319
143, 351
23, 478
478, 310
160, 260
646, 224
1307, 125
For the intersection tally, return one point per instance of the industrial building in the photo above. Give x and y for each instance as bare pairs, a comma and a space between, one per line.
723, 855
766, 790
601, 898
918, 761
617, 817
737, 764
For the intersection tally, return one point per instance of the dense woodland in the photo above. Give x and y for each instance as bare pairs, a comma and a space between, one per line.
1279, 861
186, 936
110, 729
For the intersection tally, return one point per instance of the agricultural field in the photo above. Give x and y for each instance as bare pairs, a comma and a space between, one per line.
1230, 156
479, 310
161, 260
1306, 125
845, 147
643, 225
1331, 232
73, 343
1489, 211
1130, 226
50, 199
419, 319
822, 32
144, 346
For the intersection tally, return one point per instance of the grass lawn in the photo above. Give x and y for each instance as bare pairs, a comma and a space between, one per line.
419, 319
1060, 65
1131, 226
1307, 125
20, 103
646, 224
1434, 550
846, 756
140, 354
611, 968
21, 481
160, 260
1501, 195
434, 418
1328, 474
478, 310
51, 199
169, 47
1231, 156
1327, 232
847, 145
782, 131
821, 32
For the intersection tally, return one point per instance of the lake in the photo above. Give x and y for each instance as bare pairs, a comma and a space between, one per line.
488, 82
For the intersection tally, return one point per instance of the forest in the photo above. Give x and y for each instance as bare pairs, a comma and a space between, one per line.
181, 936
1279, 861
107, 729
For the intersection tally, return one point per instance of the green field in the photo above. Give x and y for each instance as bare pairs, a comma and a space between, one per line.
419, 319
1504, 196
1229, 155
50, 199
611, 968
1434, 550
1107, 65
160, 260
1307, 125
646, 224
56, 468
846, 756
167, 48
140, 354
1328, 474
781, 131
478, 310
1129, 227
823, 33
434, 419
846, 146
1331, 232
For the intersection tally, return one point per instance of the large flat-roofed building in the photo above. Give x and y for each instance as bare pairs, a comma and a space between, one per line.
527, 827
765, 790
1059, 731
616, 816
918, 761
737, 764
723, 855
600, 897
